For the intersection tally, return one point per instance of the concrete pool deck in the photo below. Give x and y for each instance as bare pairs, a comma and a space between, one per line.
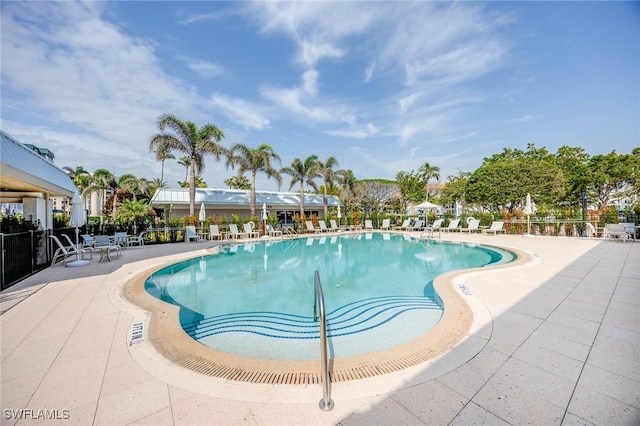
554, 341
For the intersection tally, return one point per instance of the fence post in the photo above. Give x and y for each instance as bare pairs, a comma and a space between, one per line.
2, 259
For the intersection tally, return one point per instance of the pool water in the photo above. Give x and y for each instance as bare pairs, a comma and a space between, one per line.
257, 299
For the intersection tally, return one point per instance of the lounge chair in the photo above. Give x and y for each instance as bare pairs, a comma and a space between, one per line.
311, 228
418, 225
473, 225
273, 232
88, 240
190, 234
386, 224
248, 229
495, 228
214, 232
323, 226
368, 225
405, 225
453, 226
64, 252
430, 229
136, 239
234, 233
615, 231
334, 225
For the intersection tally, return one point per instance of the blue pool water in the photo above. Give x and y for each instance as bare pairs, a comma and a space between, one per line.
257, 299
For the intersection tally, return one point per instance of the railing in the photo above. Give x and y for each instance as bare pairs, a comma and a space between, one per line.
325, 403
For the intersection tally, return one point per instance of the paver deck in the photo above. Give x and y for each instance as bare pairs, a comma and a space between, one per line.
554, 341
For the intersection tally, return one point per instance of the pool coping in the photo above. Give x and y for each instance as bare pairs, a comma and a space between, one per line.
165, 334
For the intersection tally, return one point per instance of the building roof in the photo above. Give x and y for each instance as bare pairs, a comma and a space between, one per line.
238, 197
23, 170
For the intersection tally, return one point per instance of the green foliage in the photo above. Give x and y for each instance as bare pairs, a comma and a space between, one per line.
16, 223
411, 187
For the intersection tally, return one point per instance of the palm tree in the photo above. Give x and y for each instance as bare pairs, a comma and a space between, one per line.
81, 179
329, 177
347, 182
133, 211
238, 182
187, 138
156, 184
428, 172
303, 173
254, 160
186, 162
163, 154
101, 181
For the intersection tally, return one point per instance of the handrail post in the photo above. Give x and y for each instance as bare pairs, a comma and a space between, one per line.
325, 403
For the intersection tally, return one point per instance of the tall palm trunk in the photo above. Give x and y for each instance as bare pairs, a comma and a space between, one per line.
192, 189
252, 201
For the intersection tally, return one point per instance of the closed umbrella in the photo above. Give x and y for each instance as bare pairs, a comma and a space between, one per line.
264, 219
528, 210
202, 215
77, 219
339, 215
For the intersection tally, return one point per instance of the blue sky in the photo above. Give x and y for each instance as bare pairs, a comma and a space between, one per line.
382, 86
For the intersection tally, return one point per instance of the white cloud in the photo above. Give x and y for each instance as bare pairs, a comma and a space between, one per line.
368, 73
204, 68
242, 112
526, 118
362, 132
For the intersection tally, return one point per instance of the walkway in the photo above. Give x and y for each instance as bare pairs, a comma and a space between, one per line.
555, 341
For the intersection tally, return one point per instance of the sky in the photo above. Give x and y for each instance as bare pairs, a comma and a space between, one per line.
381, 86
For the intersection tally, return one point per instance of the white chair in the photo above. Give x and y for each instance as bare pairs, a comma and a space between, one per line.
234, 233
495, 228
248, 229
386, 224
405, 224
64, 252
417, 226
273, 232
323, 226
121, 239
214, 232
473, 225
190, 234
368, 225
615, 231
334, 225
453, 226
311, 228
136, 239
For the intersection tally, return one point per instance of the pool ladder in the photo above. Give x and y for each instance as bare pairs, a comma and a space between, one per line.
325, 403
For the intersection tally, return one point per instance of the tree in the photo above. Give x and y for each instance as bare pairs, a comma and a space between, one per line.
101, 182
133, 211
412, 188
347, 182
374, 194
186, 163
238, 182
254, 160
163, 154
503, 180
188, 139
574, 164
303, 172
455, 188
329, 176
428, 172
609, 174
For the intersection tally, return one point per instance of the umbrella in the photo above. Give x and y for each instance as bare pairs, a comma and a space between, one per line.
528, 210
77, 219
264, 211
202, 215
339, 215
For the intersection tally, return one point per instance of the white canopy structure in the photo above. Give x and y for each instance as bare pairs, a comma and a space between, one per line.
427, 206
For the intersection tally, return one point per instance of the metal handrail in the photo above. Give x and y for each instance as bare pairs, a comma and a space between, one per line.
325, 403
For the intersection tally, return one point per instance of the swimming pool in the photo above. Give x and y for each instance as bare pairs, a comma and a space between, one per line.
256, 299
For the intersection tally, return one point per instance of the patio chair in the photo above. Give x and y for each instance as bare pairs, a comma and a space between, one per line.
615, 231
473, 225
630, 228
430, 229
311, 228
64, 252
496, 227
190, 234
368, 225
104, 245
453, 226
418, 225
234, 233
273, 232
386, 224
405, 224
136, 239
323, 226
214, 232
87, 240
248, 229
334, 225
121, 239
